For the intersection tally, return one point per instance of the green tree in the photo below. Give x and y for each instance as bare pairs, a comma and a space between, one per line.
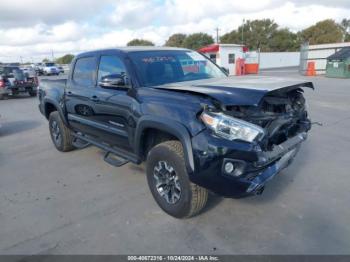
284, 40
197, 40
233, 37
323, 32
256, 34
140, 42
347, 37
46, 60
66, 59
176, 40
345, 24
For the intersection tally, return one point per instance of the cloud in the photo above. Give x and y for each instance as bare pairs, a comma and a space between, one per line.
326, 3
41, 33
19, 13
34, 29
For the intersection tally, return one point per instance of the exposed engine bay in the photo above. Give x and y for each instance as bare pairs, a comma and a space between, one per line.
282, 114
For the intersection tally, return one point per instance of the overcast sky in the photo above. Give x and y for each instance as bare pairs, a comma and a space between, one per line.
32, 28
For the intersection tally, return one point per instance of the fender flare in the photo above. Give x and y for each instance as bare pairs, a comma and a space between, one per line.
58, 107
170, 126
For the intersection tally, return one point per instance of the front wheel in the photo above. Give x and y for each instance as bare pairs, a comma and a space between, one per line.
169, 182
60, 134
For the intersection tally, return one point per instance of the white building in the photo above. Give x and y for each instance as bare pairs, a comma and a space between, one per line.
224, 55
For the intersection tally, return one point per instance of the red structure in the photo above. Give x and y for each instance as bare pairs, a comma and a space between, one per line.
240, 67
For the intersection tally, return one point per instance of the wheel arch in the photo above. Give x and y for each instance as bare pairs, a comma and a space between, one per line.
51, 106
165, 126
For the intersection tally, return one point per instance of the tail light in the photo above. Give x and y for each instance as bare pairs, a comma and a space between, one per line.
2, 83
36, 80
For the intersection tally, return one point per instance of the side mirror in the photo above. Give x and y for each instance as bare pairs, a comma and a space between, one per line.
113, 81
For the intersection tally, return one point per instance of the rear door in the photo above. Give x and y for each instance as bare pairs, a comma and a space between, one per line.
80, 96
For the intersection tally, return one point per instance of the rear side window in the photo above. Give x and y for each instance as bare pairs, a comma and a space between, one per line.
84, 71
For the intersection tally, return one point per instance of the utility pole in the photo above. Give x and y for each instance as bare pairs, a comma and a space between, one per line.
21, 59
243, 31
217, 34
52, 56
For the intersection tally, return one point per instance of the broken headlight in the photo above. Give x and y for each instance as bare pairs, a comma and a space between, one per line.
231, 128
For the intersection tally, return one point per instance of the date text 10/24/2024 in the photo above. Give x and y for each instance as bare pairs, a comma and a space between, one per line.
173, 258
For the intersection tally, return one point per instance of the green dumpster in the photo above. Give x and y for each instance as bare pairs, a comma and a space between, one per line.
338, 64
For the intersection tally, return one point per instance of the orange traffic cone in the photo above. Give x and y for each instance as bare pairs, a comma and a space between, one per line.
310, 71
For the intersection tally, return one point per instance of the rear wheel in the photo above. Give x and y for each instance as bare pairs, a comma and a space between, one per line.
169, 182
60, 134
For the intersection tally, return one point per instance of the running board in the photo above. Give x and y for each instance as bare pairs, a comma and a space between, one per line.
118, 152
79, 143
114, 160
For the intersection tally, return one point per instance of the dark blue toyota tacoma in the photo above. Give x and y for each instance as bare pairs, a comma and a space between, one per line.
197, 128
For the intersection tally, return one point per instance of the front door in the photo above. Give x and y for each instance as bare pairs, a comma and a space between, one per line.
115, 105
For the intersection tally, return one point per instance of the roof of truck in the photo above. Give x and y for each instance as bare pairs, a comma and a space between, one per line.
129, 49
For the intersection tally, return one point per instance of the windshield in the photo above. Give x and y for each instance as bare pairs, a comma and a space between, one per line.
50, 64
163, 67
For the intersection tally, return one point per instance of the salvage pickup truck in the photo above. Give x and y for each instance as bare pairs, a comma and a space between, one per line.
14, 81
197, 129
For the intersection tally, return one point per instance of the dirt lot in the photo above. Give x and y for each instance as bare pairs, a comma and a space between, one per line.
75, 203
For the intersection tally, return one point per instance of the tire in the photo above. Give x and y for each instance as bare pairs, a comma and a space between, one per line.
32, 93
61, 136
167, 160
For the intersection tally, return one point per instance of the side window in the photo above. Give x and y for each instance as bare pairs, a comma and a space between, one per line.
231, 58
84, 71
110, 65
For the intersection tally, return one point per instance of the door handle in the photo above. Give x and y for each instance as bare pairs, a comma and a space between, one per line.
94, 99
69, 93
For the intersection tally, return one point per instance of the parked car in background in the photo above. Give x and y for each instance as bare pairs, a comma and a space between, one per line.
50, 69
29, 71
38, 67
197, 130
14, 81
60, 69
3, 86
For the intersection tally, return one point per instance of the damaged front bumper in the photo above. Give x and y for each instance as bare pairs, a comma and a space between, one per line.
253, 168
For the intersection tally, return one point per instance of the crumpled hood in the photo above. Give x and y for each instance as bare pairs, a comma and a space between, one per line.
241, 90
